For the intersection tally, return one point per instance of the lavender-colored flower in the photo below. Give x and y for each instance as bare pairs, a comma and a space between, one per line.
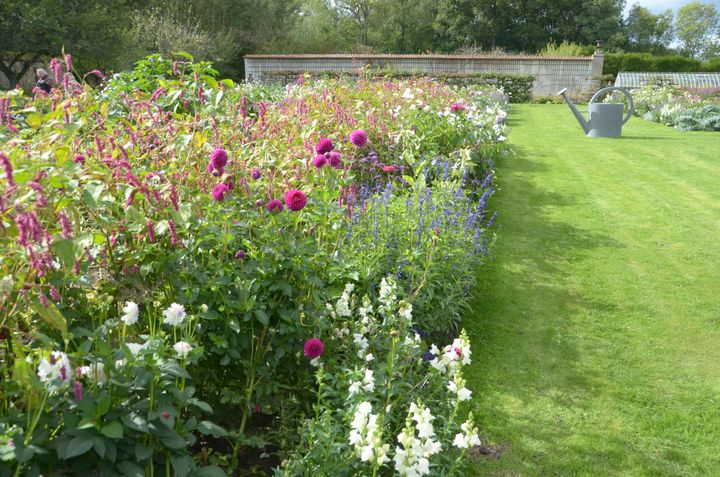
220, 191
334, 160
358, 137
319, 161
295, 200
240, 254
255, 174
258, 203
274, 206
324, 145
313, 348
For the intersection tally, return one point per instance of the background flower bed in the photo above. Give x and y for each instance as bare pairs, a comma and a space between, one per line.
172, 190
697, 110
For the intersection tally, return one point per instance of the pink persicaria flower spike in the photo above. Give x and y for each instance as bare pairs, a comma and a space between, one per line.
313, 348
295, 200
358, 138
334, 160
218, 158
274, 206
220, 191
324, 145
319, 161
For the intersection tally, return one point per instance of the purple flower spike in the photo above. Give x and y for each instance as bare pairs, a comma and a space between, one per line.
220, 191
313, 348
240, 254
324, 145
358, 137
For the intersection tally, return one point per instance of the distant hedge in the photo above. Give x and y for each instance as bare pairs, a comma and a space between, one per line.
517, 86
616, 62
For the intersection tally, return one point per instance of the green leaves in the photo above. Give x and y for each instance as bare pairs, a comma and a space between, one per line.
113, 430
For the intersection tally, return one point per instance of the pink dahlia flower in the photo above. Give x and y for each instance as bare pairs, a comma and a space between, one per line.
220, 191
457, 107
274, 206
324, 145
319, 161
334, 160
295, 200
218, 158
313, 348
79, 159
358, 137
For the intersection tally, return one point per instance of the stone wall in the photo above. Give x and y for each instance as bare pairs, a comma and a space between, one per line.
581, 75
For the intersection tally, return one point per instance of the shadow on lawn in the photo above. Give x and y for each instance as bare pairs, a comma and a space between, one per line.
525, 346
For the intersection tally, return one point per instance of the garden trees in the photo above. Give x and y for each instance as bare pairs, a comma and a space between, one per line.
648, 32
696, 26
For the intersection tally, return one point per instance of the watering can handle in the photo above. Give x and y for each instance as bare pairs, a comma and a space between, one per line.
622, 90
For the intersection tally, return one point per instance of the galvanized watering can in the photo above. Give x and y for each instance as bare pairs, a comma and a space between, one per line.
605, 119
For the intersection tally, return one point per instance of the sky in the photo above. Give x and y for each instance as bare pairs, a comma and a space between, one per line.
657, 6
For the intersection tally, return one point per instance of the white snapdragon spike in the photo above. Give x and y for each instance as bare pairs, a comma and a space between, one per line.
452, 356
366, 436
56, 370
342, 307
174, 314
354, 388
457, 387
412, 456
368, 381
316, 363
362, 343
405, 311
369, 357
469, 437
387, 291
182, 349
96, 373
131, 312
366, 310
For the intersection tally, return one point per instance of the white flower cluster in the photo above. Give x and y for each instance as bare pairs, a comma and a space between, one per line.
469, 436
342, 306
366, 436
413, 458
366, 310
457, 386
55, 371
182, 349
387, 291
452, 356
367, 384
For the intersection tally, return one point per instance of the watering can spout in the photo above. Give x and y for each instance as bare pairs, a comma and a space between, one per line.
578, 115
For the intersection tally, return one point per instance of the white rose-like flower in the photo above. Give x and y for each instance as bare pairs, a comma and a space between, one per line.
96, 372
135, 348
182, 349
174, 314
131, 312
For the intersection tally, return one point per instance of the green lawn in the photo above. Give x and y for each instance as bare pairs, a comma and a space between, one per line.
596, 329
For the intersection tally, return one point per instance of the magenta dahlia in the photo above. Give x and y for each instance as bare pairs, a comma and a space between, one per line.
313, 348
319, 161
220, 191
218, 158
358, 137
295, 200
324, 145
334, 160
79, 159
457, 107
274, 206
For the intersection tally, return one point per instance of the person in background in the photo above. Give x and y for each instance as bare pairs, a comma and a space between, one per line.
43, 80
